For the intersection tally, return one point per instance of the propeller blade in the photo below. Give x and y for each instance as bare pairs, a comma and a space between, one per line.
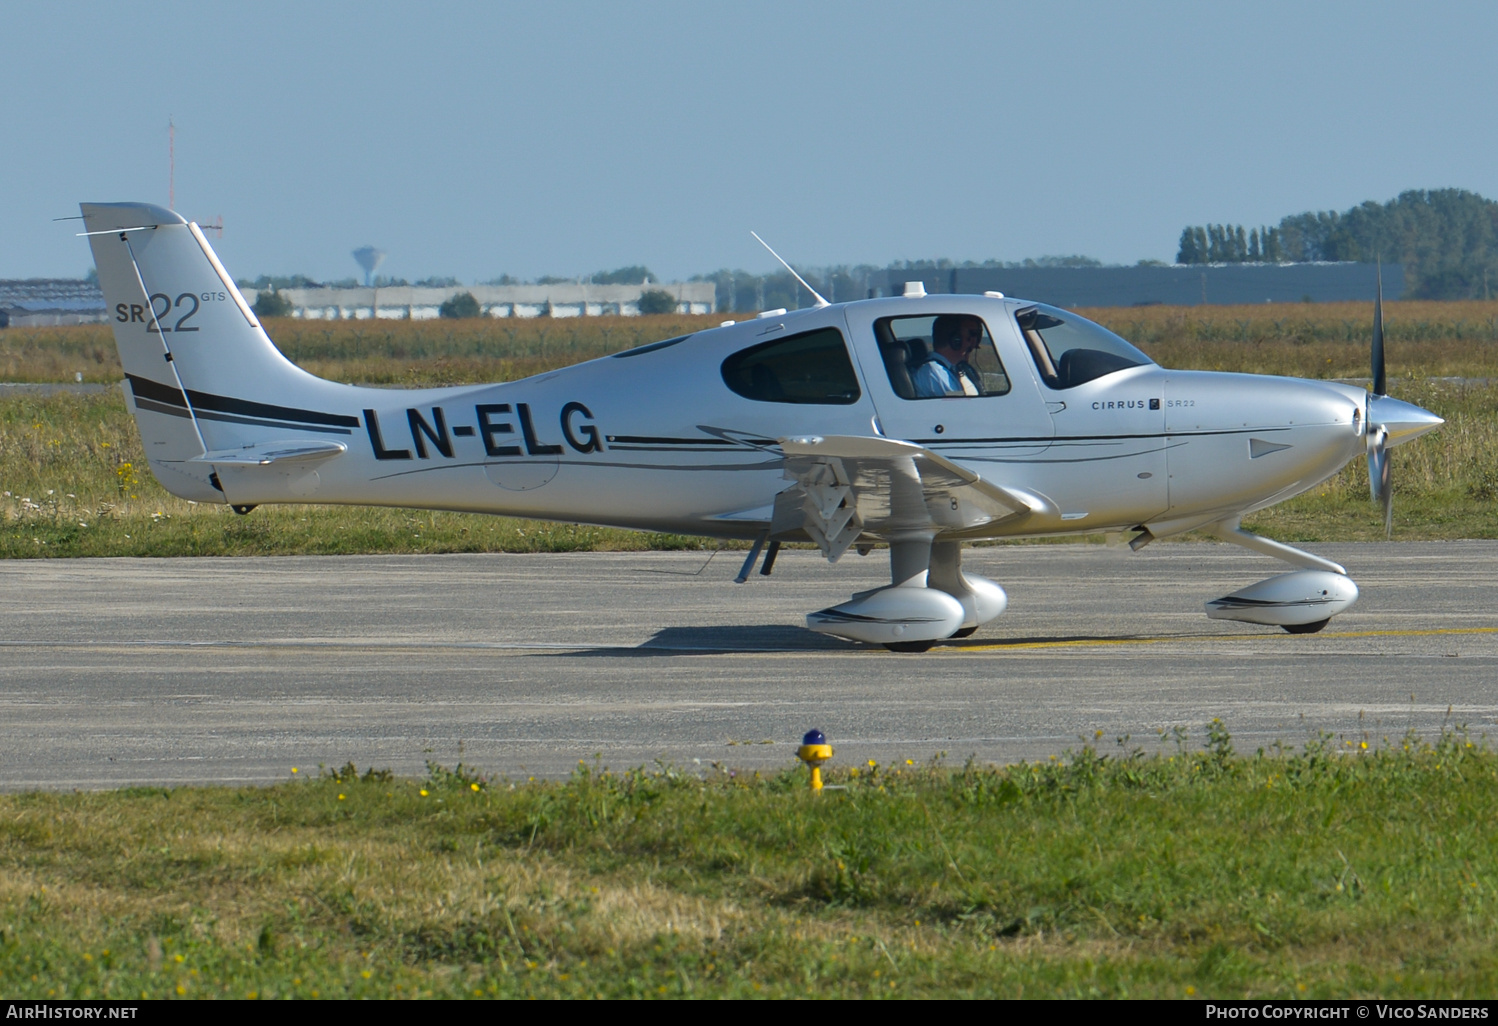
1378, 463
1379, 482
1380, 383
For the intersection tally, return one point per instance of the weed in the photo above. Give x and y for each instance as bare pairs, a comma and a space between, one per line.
349, 774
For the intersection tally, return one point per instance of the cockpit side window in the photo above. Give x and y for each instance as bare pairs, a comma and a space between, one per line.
1070, 350
940, 356
810, 368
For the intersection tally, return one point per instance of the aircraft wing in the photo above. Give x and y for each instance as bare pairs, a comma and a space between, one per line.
849, 485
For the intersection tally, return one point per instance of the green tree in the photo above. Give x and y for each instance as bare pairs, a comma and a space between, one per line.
635, 274
657, 301
460, 307
270, 303
1188, 252
280, 281
1447, 239
1274, 253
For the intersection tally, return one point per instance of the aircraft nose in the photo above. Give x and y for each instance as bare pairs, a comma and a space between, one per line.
1403, 421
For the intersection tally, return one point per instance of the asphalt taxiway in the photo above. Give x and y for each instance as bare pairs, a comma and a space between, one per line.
174, 671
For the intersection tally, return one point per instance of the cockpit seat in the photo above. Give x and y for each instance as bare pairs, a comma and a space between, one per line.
897, 362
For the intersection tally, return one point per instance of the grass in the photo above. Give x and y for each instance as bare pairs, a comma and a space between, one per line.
77, 483
1320, 340
1352, 867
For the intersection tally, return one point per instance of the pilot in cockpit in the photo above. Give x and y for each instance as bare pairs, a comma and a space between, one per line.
945, 371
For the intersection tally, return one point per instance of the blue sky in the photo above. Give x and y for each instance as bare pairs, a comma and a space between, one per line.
476, 139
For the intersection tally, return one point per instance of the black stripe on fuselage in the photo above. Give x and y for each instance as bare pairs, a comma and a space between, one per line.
591, 464
661, 440
181, 411
621, 447
946, 443
153, 395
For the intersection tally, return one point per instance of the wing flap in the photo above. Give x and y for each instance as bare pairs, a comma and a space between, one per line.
847, 486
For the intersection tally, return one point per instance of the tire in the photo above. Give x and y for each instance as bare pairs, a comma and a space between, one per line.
909, 646
966, 632
1305, 628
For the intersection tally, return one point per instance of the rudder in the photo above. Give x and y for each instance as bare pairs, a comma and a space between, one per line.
202, 374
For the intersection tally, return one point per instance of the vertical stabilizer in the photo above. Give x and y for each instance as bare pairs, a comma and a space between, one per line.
201, 373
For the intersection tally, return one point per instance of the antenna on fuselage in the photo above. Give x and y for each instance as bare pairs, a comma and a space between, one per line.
820, 301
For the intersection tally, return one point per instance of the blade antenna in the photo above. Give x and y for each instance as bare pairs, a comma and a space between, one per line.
1380, 381
820, 301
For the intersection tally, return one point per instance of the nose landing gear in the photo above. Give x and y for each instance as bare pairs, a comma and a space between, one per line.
1302, 602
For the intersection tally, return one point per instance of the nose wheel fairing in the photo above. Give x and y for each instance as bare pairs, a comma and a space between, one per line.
1299, 599
1302, 601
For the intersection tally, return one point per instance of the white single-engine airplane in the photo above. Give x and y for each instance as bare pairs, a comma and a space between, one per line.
814, 425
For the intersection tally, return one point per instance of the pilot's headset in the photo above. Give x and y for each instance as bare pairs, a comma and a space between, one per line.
948, 327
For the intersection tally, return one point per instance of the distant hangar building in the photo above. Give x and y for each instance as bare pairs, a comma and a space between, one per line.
410, 302
1152, 285
44, 301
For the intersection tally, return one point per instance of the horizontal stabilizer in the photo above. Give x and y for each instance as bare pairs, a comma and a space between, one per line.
267, 453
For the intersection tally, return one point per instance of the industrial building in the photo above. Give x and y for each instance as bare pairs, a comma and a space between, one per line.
409, 302
1167, 284
43, 301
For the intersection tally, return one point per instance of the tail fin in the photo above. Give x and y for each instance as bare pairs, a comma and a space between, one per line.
203, 375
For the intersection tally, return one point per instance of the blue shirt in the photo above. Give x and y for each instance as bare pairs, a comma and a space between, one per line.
937, 376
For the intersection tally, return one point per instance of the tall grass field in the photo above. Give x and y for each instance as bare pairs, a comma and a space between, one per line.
75, 483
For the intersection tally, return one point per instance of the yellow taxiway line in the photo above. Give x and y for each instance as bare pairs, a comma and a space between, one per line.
1009, 646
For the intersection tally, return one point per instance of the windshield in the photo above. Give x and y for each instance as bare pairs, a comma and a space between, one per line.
1070, 350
